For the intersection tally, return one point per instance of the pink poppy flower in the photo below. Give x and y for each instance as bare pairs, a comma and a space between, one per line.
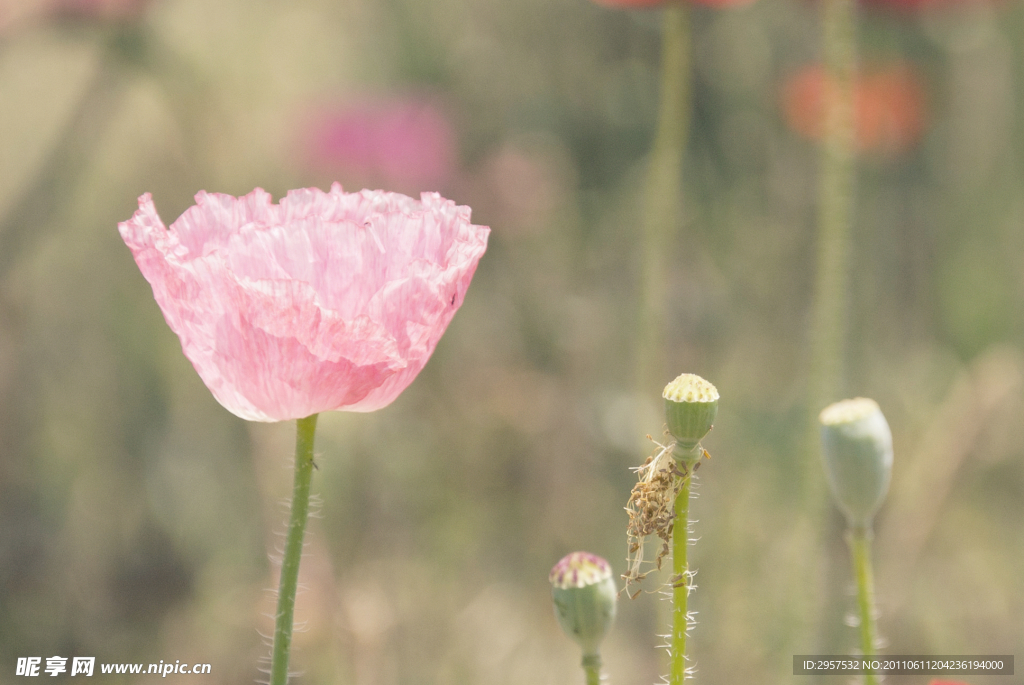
327, 301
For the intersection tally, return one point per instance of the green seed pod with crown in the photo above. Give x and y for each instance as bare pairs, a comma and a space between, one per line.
691, 404
857, 453
584, 595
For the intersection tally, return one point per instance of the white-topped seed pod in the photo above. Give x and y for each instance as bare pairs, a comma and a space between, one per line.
857, 454
584, 595
691, 404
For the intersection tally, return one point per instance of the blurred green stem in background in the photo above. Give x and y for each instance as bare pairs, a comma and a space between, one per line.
69, 158
859, 540
662, 199
305, 431
826, 372
835, 218
125, 48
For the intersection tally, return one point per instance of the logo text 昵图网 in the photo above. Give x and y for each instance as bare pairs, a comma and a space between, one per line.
86, 666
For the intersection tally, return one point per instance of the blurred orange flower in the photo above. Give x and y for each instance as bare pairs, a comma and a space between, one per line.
889, 101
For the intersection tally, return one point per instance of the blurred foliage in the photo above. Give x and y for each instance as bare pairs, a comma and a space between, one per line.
136, 514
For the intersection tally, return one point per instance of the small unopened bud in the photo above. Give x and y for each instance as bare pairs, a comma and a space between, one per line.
691, 404
856, 448
584, 595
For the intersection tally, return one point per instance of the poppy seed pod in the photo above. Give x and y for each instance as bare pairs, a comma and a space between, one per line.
691, 404
856, 448
584, 595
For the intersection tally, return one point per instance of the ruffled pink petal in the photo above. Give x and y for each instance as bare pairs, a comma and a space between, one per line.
327, 301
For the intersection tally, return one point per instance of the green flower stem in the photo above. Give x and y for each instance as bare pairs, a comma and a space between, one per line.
835, 218
859, 540
662, 201
306, 428
592, 668
681, 584
31, 215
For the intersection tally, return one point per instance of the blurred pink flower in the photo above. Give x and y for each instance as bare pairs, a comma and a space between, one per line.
328, 301
404, 143
17, 15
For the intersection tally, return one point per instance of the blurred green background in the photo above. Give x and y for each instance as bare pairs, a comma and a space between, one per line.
136, 514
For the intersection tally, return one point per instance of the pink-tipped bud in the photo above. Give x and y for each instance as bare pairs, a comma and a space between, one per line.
584, 595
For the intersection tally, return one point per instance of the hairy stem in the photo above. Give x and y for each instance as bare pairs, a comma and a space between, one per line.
859, 540
306, 428
680, 583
